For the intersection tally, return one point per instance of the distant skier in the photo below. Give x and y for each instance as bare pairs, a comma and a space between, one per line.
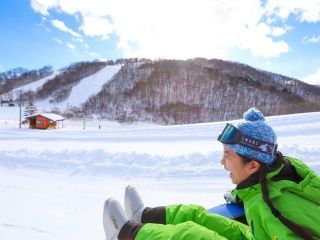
281, 196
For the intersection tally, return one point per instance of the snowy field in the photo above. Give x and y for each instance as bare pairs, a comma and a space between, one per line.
53, 183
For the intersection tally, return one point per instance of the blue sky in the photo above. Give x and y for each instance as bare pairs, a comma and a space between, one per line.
273, 35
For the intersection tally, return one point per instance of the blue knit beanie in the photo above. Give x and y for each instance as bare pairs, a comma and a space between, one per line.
254, 125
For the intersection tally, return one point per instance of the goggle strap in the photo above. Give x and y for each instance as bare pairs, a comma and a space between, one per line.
258, 145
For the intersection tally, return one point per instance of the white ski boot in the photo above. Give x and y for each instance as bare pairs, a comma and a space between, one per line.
133, 204
113, 219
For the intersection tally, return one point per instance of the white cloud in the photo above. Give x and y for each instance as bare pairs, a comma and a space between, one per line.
71, 46
307, 11
44, 5
268, 63
186, 28
314, 39
58, 40
86, 45
78, 40
313, 78
258, 41
279, 31
96, 26
94, 54
61, 26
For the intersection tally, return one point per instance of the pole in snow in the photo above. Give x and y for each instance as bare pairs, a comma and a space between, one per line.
20, 100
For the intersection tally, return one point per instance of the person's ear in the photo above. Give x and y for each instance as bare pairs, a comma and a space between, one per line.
254, 166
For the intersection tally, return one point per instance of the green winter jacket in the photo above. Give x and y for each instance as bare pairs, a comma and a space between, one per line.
298, 199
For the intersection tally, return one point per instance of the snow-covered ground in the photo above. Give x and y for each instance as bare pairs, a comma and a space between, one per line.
53, 183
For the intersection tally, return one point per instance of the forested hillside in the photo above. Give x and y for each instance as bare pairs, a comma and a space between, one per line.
198, 90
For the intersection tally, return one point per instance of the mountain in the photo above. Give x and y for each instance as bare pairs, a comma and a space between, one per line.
171, 91
198, 90
17, 77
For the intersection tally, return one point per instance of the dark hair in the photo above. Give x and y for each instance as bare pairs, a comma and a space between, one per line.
245, 159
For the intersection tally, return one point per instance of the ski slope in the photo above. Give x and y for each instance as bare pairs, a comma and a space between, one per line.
36, 84
89, 86
53, 183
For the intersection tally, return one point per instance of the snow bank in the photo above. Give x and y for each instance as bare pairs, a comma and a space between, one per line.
53, 183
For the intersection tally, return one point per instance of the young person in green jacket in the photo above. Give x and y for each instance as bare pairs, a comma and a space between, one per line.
280, 195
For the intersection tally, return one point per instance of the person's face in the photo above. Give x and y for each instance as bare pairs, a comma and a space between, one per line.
239, 170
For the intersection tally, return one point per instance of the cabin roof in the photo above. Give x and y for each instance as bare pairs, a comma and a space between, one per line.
51, 116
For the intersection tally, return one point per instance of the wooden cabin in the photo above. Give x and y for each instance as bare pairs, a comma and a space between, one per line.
46, 121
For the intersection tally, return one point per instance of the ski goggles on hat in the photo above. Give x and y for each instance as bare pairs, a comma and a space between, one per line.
232, 135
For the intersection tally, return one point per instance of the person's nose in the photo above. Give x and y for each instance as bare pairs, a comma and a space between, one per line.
223, 161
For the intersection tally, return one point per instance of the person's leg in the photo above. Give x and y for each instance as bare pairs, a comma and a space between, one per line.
117, 226
183, 231
177, 214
